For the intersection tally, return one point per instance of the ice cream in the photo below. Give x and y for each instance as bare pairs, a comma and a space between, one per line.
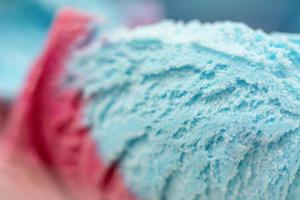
169, 111
196, 111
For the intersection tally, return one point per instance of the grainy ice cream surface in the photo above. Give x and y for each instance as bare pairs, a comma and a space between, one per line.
195, 111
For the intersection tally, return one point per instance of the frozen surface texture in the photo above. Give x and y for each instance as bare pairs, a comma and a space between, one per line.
196, 111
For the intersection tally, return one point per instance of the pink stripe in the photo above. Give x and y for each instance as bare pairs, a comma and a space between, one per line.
45, 123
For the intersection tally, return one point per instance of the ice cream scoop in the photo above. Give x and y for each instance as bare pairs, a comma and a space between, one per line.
196, 111
168, 111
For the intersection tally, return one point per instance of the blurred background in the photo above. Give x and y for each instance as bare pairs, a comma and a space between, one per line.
24, 25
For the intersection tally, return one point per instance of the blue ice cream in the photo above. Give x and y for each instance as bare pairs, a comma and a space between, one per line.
196, 111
